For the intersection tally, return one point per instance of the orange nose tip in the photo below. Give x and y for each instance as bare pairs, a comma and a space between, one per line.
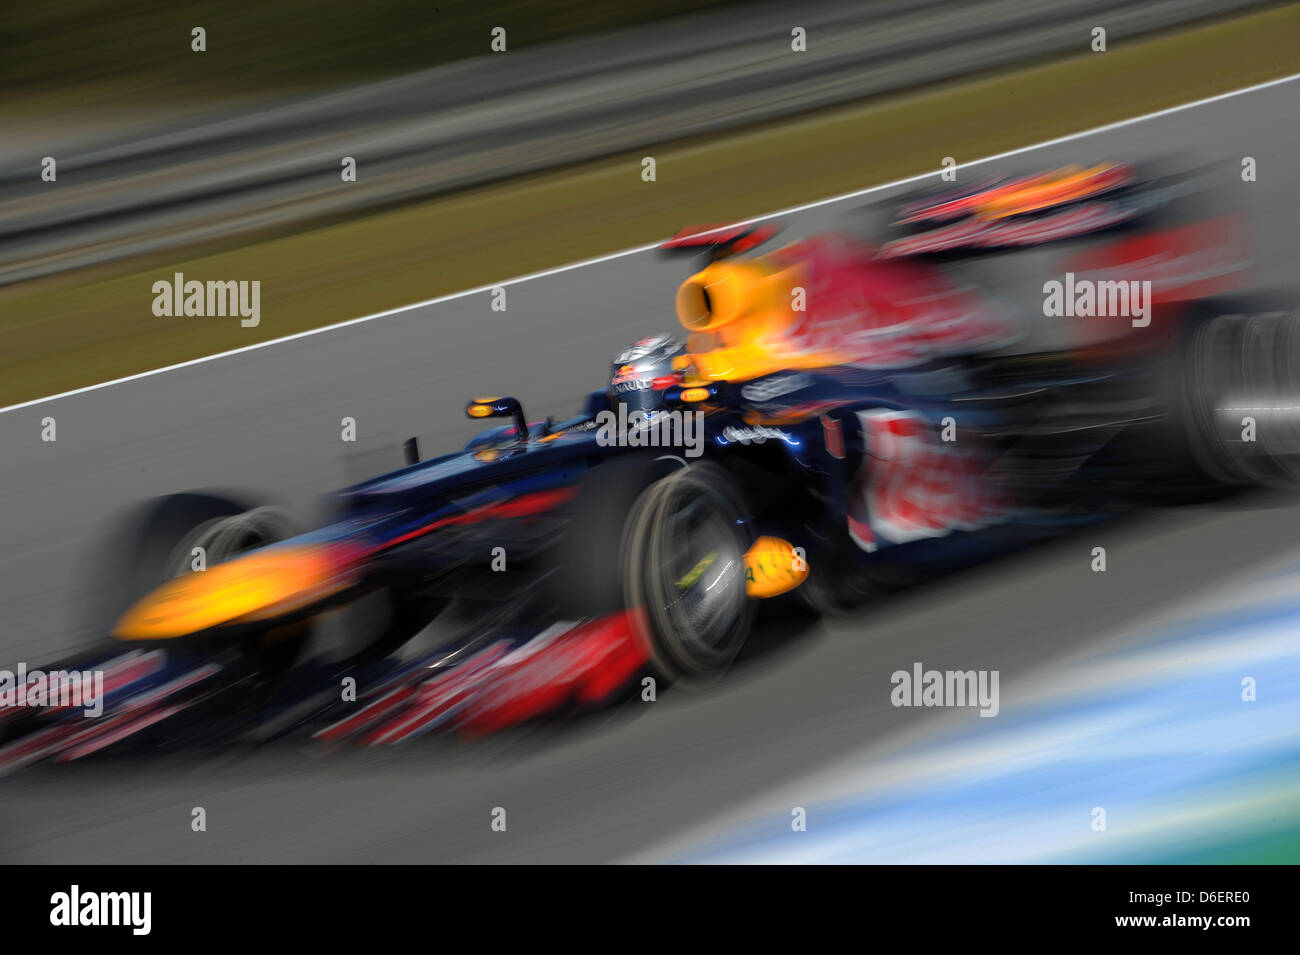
260, 585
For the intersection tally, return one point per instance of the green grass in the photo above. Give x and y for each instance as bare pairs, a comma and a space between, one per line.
78, 329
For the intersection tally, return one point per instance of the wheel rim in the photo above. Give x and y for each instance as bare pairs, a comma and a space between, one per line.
704, 569
694, 573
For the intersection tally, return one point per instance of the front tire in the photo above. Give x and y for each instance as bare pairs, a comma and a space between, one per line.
684, 562
666, 541
156, 542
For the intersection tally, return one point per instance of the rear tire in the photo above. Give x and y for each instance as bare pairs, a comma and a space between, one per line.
1243, 364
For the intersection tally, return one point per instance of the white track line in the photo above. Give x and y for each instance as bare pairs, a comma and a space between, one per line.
653, 245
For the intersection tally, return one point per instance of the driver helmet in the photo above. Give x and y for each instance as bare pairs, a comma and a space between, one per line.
643, 371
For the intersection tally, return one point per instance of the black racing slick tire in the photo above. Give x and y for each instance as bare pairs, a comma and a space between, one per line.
156, 542
1240, 395
588, 580
654, 536
684, 563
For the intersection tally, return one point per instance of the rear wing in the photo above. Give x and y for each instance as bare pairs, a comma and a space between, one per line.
1032, 210
719, 241
997, 199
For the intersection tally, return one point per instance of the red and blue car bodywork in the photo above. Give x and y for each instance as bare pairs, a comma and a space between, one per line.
884, 432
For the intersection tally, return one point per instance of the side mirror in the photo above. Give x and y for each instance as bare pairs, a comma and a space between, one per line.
411, 451
500, 408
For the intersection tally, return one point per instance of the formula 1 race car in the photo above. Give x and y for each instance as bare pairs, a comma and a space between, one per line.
840, 418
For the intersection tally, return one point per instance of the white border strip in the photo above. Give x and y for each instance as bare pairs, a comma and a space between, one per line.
653, 245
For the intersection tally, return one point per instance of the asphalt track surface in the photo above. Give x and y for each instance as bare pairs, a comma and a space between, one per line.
623, 782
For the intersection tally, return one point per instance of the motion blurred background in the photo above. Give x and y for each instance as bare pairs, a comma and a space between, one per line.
474, 165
